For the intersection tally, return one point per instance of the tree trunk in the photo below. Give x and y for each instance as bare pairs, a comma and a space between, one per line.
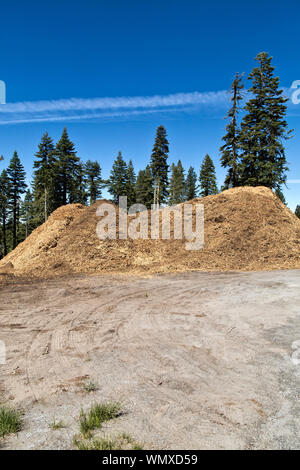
46, 205
4, 234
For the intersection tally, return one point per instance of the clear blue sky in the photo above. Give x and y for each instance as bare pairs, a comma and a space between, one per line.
143, 50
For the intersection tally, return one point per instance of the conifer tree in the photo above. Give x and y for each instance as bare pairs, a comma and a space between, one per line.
297, 211
130, 184
280, 195
67, 170
44, 178
117, 185
263, 129
177, 184
191, 184
230, 149
93, 181
79, 192
17, 186
4, 198
28, 214
208, 182
159, 165
144, 187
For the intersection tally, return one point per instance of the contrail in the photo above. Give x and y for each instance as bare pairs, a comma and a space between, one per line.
88, 108
78, 104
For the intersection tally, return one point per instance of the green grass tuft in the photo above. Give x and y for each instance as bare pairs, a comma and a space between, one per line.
56, 425
10, 421
100, 443
98, 414
121, 442
90, 387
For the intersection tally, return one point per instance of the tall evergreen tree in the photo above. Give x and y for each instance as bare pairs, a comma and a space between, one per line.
208, 182
28, 213
159, 165
17, 186
130, 184
44, 178
280, 195
4, 198
177, 184
67, 170
117, 185
263, 129
79, 192
144, 187
191, 184
93, 181
229, 151
297, 211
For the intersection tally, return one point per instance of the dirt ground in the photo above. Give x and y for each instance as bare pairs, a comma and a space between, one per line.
198, 360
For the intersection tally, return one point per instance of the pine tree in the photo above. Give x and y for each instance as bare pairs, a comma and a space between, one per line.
130, 184
263, 129
177, 184
144, 187
229, 151
93, 181
117, 185
297, 211
44, 178
191, 184
4, 197
280, 195
208, 182
67, 170
79, 192
17, 186
28, 214
159, 165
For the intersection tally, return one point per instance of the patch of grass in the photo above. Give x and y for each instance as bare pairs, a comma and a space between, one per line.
90, 387
10, 421
56, 425
121, 442
129, 439
98, 414
137, 446
100, 443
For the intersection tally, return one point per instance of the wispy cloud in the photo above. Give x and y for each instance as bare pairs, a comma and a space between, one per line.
109, 108
293, 181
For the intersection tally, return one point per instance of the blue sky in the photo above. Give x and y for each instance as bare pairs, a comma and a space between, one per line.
113, 71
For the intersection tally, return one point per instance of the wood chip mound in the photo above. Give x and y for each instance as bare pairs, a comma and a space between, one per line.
246, 229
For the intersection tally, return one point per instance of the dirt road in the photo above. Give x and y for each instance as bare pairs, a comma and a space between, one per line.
199, 360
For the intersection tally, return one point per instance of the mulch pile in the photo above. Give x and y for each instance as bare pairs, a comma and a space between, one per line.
246, 229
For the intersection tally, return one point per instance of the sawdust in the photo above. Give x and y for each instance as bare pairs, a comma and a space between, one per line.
246, 229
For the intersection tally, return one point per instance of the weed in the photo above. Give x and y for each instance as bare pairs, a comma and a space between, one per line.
90, 387
98, 414
100, 443
121, 442
56, 425
10, 421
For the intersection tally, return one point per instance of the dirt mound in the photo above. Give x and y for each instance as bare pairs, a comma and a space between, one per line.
245, 229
